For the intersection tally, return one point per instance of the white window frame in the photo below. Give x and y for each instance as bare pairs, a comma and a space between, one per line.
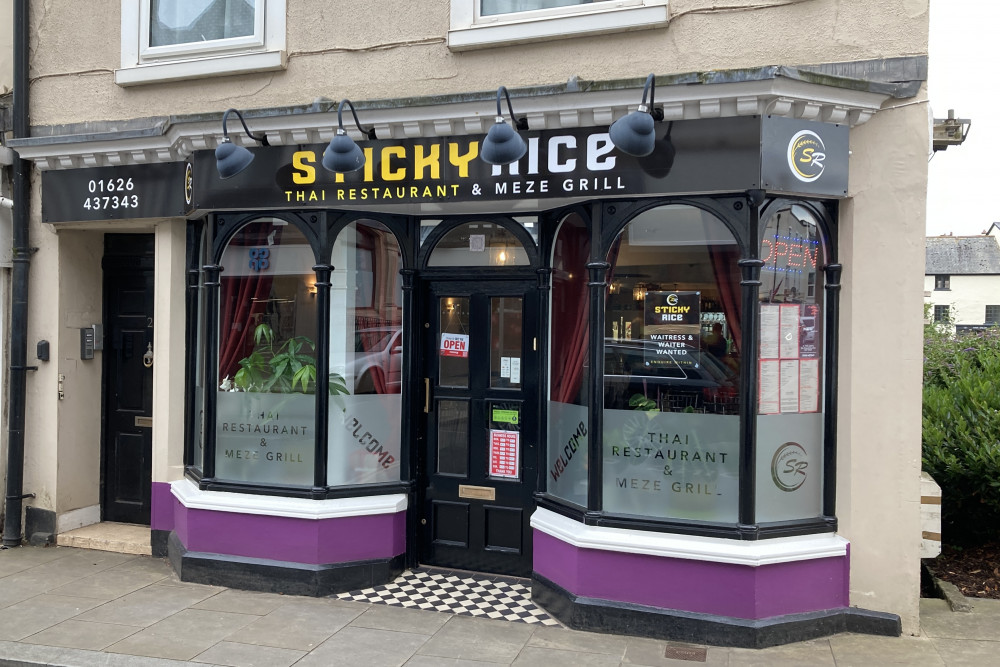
469, 30
261, 52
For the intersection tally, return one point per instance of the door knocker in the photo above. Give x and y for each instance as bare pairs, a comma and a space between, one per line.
147, 359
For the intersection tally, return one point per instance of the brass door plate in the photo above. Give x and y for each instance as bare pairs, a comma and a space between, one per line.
477, 492
144, 422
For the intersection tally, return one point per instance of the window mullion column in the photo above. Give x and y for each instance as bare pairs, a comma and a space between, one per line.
212, 286
750, 267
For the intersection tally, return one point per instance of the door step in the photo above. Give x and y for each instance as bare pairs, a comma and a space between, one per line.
123, 538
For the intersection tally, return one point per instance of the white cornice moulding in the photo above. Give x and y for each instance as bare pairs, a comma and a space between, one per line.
752, 553
191, 497
180, 138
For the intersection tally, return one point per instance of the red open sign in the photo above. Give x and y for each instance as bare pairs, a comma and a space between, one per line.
454, 345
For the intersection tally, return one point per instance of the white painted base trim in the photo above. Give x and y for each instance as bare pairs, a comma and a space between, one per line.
717, 550
189, 495
85, 516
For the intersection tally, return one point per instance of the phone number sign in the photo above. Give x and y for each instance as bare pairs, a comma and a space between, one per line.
117, 193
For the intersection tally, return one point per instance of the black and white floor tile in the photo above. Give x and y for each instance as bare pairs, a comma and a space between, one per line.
467, 593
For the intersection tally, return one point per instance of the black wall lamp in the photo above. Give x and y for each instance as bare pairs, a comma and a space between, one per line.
503, 144
343, 155
231, 159
635, 133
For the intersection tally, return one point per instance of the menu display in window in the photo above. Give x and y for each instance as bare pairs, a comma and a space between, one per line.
789, 366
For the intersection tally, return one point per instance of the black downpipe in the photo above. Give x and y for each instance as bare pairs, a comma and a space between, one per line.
19, 290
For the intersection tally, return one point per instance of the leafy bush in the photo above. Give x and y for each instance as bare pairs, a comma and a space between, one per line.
961, 430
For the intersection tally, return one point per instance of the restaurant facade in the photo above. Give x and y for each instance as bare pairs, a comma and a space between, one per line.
660, 385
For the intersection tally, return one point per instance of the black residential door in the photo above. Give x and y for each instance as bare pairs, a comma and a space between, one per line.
128, 378
480, 425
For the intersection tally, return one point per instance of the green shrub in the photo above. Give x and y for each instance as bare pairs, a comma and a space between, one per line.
961, 430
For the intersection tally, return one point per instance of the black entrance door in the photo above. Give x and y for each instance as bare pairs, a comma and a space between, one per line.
481, 425
128, 378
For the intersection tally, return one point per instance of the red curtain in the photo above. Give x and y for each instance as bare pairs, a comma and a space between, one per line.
243, 302
570, 311
727, 281
373, 326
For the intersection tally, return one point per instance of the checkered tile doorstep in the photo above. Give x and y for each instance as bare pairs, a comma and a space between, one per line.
503, 598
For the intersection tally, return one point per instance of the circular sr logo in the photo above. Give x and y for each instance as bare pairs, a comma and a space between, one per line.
788, 466
806, 154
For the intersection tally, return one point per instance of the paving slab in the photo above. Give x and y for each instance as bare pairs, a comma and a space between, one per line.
22, 655
82, 634
302, 624
364, 646
183, 635
531, 656
816, 652
486, 640
246, 655
17, 559
574, 640
969, 653
417, 621
983, 623
112, 583
652, 653
38, 613
435, 661
243, 602
146, 606
852, 650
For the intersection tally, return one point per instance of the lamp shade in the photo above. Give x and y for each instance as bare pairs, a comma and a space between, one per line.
343, 155
634, 134
503, 145
231, 159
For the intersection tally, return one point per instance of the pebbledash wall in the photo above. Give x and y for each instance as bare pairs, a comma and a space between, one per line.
738, 568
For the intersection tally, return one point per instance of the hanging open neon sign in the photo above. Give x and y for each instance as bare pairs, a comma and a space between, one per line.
788, 254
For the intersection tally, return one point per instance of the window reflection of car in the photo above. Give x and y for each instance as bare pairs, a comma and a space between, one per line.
684, 376
378, 356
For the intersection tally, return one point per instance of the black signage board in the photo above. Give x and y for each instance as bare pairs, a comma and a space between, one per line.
714, 155
672, 329
160, 190
804, 157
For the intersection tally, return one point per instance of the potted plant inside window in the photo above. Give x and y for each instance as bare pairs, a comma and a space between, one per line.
287, 368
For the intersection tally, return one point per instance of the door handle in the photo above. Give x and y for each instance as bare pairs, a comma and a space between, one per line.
427, 395
147, 359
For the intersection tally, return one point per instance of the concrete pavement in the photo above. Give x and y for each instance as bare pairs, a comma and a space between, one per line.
76, 607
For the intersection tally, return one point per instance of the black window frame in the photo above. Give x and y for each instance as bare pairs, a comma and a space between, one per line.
942, 282
743, 213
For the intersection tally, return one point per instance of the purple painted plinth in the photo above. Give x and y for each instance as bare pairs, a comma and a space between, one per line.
723, 589
310, 541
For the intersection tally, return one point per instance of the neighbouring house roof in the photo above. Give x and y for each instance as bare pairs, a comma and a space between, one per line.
958, 255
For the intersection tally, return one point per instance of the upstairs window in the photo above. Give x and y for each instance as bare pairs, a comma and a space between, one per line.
192, 26
479, 24
165, 40
942, 282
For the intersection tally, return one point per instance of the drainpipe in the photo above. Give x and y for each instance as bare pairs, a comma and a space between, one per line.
21, 196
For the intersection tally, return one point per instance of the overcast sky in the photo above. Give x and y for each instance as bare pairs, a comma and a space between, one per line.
963, 191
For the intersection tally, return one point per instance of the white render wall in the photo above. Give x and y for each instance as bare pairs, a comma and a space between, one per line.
968, 297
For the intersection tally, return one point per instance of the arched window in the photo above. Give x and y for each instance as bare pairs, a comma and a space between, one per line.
671, 368
569, 318
790, 402
366, 356
265, 409
480, 243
